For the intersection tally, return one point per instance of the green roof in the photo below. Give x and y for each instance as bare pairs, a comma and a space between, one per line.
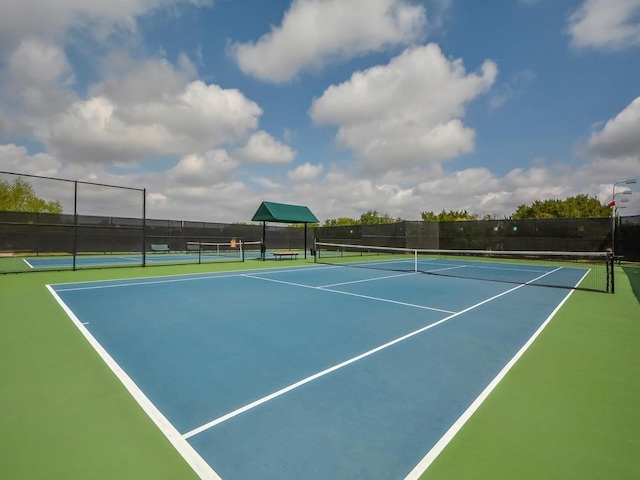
283, 213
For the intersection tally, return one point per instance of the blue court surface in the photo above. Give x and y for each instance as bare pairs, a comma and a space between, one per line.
311, 372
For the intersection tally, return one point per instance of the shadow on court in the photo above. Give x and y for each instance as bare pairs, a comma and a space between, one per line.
633, 273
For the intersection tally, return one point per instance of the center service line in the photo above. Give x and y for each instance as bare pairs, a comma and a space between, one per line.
311, 378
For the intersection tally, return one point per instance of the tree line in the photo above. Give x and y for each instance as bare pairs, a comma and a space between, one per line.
579, 206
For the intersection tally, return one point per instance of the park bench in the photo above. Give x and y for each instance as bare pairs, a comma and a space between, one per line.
291, 255
155, 248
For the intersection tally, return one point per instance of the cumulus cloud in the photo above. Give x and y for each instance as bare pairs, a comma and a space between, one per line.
16, 158
263, 148
315, 32
138, 80
407, 112
619, 137
305, 173
194, 117
605, 24
615, 154
35, 83
209, 168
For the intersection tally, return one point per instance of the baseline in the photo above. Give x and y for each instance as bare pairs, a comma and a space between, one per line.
191, 456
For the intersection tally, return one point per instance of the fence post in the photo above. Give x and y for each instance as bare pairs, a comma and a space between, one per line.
75, 222
144, 227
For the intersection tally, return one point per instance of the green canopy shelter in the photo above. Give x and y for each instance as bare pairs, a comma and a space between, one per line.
283, 213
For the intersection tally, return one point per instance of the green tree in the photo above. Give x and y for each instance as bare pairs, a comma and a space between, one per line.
20, 196
450, 216
429, 217
580, 206
341, 221
373, 217
301, 225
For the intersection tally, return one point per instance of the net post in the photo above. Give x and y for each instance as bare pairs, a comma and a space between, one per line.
315, 250
241, 246
611, 259
415, 260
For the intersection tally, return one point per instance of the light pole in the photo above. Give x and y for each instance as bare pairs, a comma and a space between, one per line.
628, 181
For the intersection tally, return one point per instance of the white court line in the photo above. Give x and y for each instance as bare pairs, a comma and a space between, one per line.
431, 455
197, 463
445, 268
367, 280
311, 378
378, 299
90, 285
27, 262
151, 282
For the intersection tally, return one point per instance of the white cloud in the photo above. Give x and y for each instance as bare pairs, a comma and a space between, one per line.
142, 107
15, 158
305, 173
210, 168
605, 24
263, 148
407, 112
204, 188
619, 137
194, 118
315, 32
35, 84
135, 80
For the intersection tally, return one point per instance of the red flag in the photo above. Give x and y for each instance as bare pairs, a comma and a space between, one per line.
612, 204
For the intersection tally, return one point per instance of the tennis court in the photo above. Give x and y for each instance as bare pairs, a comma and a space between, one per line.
314, 371
197, 252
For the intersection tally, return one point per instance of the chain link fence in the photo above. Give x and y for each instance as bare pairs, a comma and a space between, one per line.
90, 225
79, 222
561, 234
64, 220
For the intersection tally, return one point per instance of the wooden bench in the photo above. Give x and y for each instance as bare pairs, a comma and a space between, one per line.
291, 255
193, 247
160, 248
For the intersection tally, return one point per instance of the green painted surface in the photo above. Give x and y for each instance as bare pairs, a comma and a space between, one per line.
65, 415
569, 409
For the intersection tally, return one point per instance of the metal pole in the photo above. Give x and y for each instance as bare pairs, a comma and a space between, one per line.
75, 223
144, 227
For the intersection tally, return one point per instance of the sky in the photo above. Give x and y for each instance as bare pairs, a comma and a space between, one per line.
346, 106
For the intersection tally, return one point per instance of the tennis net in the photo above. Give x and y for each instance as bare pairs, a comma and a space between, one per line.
252, 249
230, 251
575, 270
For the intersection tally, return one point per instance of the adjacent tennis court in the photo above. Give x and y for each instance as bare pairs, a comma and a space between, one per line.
310, 372
196, 252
